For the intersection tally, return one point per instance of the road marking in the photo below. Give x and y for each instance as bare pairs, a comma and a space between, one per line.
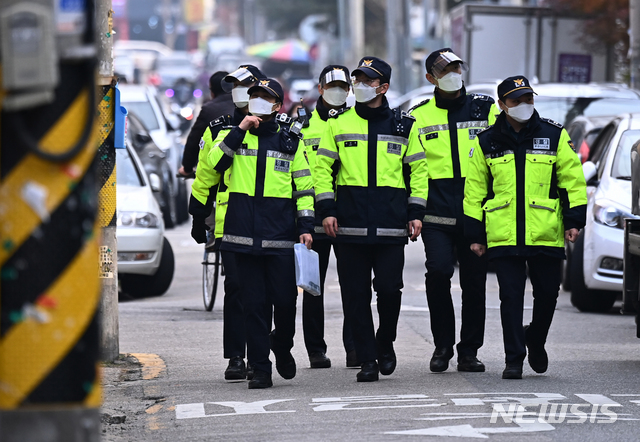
152, 365
598, 399
191, 411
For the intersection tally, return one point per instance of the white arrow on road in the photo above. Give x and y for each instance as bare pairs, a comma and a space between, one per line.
478, 433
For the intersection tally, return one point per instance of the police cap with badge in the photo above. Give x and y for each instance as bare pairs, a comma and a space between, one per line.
271, 86
438, 60
514, 87
246, 74
334, 72
374, 67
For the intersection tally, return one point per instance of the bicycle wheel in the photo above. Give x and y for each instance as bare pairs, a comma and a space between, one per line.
210, 275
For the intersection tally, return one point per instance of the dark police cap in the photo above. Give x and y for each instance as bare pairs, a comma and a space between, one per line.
271, 86
514, 87
373, 67
244, 73
334, 72
438, 60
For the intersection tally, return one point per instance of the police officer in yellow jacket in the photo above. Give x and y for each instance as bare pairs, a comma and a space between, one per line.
333, 87
270, 209
209, 185
525, 195
448, 124
373, 210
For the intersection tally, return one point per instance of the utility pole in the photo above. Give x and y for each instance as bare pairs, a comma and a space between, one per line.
342, 31
634, 43
49, 286
109, 335
356, 22
399, 42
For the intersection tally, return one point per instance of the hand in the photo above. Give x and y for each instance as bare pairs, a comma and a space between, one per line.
199, 230
330, 225
415, 226
571, 235
306, 239
249, 122
478, 249
183, 172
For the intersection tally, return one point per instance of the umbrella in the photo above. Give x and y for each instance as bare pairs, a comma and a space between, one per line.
281, 50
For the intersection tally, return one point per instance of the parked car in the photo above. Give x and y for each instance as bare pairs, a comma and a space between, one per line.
168, 69
145, 257
595, 262
142, 101
583, 132
154, 163
411, 98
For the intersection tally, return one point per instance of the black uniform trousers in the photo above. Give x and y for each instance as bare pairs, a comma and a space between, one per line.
233, 337
544, 272
267, 281
355, 262
442, 246
313, 308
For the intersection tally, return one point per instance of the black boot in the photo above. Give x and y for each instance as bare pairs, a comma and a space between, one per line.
236, 369
368, 372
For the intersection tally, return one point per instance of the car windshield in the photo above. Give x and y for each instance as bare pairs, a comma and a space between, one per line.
622, 162
565, 109
144, 111
128, 174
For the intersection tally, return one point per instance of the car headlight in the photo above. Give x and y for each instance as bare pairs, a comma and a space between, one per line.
137, 219
608, 214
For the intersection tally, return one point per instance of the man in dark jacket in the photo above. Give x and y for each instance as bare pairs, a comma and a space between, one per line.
221, 104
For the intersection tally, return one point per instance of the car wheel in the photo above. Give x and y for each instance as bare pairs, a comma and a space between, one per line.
169, 211
182, 202
566, 270
139, 286
583, 298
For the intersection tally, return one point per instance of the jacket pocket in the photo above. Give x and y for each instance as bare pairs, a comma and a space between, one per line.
544, 222
499, 221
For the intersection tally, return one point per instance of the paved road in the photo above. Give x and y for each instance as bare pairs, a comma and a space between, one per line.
176, 392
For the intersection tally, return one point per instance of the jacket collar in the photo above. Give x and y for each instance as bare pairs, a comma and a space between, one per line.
373, 113
445, 103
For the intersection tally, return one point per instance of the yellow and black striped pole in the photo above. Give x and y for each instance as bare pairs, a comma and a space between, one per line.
49, 264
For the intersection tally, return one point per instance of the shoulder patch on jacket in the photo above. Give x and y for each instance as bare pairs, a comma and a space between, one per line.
552, 122
482, 97
225, 122
335, 113
422, 103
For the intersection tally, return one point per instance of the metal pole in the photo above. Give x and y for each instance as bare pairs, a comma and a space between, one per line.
356, 17
109, 335
342, 30
634, 43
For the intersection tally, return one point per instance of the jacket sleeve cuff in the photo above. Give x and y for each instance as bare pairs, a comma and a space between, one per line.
305, 225
326, 208
416, 211
197, 209
575, 218
474, 231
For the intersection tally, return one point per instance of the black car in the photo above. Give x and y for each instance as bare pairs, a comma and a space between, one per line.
154, 162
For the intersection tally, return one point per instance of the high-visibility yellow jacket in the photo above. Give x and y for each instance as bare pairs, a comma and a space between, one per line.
528, 188
270, 191
372, 148
447, 130
312, 136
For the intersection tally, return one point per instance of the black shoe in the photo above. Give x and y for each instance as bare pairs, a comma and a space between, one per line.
286, 365
537, 355
470, 363
386, 358
319, 360
352, 359
512, 371
249, 371
236, 369
440, 359
368, 372
261, 379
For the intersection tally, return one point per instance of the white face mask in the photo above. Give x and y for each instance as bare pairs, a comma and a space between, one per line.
240, 96
260, 107
521, 113
335, 96
364, 93
452, 82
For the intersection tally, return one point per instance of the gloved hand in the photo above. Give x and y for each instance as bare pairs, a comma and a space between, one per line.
199, 230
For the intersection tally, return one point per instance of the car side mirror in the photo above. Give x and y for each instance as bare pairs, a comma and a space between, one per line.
142, 138
155, 183
589, 170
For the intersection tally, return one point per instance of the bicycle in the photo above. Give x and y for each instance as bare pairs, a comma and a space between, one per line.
212, 266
